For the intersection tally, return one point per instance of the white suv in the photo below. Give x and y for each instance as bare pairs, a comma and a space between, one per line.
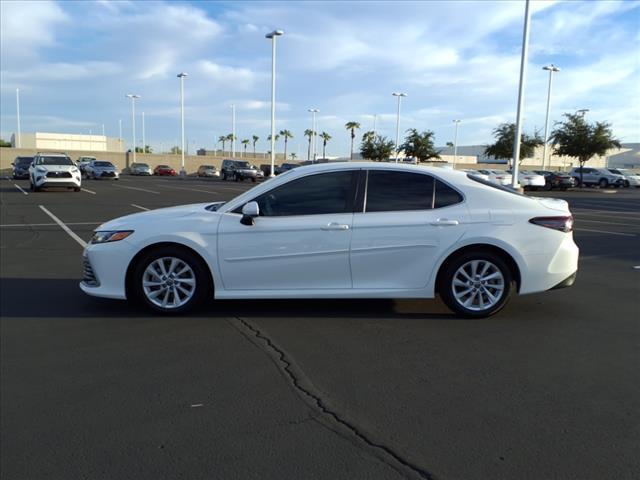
597, 176
53, 170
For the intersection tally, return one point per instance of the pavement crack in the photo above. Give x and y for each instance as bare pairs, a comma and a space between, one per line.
314, 399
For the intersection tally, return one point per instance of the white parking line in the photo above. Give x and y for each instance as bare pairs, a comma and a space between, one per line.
6, 225
19, 188
64, 227
136, 188
607, 232
138, 206
192, 189
88, 191
581, 220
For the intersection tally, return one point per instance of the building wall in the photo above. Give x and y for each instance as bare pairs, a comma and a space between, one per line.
63, 142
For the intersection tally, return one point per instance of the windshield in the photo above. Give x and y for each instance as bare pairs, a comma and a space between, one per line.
23, 161
140, 165
55, 161
103, 164
163, 166
208, 167
243, 164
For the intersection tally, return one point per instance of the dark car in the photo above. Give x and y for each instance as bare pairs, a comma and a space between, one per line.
285, 167
558, 180
21, 167
237, 170
164, 170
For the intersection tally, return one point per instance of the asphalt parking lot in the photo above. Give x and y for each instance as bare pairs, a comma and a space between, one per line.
358, 389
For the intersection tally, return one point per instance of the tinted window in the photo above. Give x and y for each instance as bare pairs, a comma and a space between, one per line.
312, 195
445, 195
103, 164
23, 161
395, 191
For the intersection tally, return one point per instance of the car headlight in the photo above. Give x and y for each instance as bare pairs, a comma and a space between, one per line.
110, 236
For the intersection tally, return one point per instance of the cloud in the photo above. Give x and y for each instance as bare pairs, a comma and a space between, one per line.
220, 75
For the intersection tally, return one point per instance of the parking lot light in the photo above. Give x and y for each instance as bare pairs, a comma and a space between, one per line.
455, 142
19, 136
551, 68
272, 36
133, 121
313, 112
181, 76
399, 95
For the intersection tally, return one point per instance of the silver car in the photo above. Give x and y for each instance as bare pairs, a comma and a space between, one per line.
99, 169
140, 169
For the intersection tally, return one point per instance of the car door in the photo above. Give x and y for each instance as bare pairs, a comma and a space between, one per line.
300, 240
408, 220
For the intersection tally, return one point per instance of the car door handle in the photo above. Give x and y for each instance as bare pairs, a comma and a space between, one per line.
335, 226
443, 222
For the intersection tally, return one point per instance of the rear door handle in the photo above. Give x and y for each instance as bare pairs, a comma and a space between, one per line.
335, 226
443, 222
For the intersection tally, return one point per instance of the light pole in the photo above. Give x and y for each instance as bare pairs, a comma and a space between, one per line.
181, 77
120, 133
313, 133
144, 141
399, 95
523, 74
272, 36
455, 143
19, 137
551, 68
375, 120
133, 122
233, 131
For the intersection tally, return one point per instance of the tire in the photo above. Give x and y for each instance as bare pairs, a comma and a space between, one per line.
626, 184
224, 176
189, 297
76, 189
548, 186
499, 284
253, 179
603, 183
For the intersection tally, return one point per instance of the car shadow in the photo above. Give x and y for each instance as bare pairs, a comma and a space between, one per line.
62, 298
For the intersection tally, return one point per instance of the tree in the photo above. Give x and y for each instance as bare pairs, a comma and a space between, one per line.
450, 144
245, 144
287, 135
222, 139
376, 147
325, 138
4, 143
230, 138
275, 142
293, 156
505, 135
574, 137
176, 150
255, 140
309, 133
353, 126
420, 145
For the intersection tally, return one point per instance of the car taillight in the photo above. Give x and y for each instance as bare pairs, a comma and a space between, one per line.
562, 224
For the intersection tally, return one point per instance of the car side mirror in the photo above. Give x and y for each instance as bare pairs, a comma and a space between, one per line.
249, 212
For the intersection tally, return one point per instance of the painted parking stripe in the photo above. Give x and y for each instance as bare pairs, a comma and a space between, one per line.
8, 225
64, 227
584, 220
19, 188
139, 189
192, 189
88, 191
140, 207
607, 232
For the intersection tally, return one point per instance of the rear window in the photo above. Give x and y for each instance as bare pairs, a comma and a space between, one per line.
162, 166
493, 185
445, 195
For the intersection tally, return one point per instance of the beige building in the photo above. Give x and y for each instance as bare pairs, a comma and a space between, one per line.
66, 141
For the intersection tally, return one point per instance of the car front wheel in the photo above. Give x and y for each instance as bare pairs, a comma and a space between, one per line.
170, 280
604, 183
476, 284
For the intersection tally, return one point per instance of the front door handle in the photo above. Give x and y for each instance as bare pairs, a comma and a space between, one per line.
335, 226
443, 222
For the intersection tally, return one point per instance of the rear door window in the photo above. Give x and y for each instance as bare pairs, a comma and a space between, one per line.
389, 191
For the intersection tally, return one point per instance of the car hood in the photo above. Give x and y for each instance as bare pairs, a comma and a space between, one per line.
158, 215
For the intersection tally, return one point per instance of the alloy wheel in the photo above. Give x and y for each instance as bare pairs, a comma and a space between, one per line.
169, 282
478, 285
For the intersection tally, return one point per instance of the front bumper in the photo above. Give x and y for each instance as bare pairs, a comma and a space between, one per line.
107, 175
20, 175
105, 269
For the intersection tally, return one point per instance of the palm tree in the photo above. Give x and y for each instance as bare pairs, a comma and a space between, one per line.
222, 139
245, 143
308, 133
230, 138
368, 136
353, 126
293, 156
287, 135
255, 140
275, 141
325, 138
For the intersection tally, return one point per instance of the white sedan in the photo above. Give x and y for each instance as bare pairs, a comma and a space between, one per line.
530, 180
499, 177
366, 230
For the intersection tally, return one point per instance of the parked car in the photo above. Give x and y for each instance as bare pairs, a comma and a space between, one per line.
285, 167
631, 179
259, 173
237, 170
164, 170
140, 169
365, 230
597, 177
54, 170
101, 169
21, 167
499, 177
558, 180
477, 174
529, 180
208, 171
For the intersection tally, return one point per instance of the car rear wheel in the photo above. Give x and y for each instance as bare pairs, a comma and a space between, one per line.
476, 284
170, 280
604, 183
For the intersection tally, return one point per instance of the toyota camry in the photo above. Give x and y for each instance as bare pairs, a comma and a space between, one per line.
347, 230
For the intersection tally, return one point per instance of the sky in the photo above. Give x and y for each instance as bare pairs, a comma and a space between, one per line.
74, 62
